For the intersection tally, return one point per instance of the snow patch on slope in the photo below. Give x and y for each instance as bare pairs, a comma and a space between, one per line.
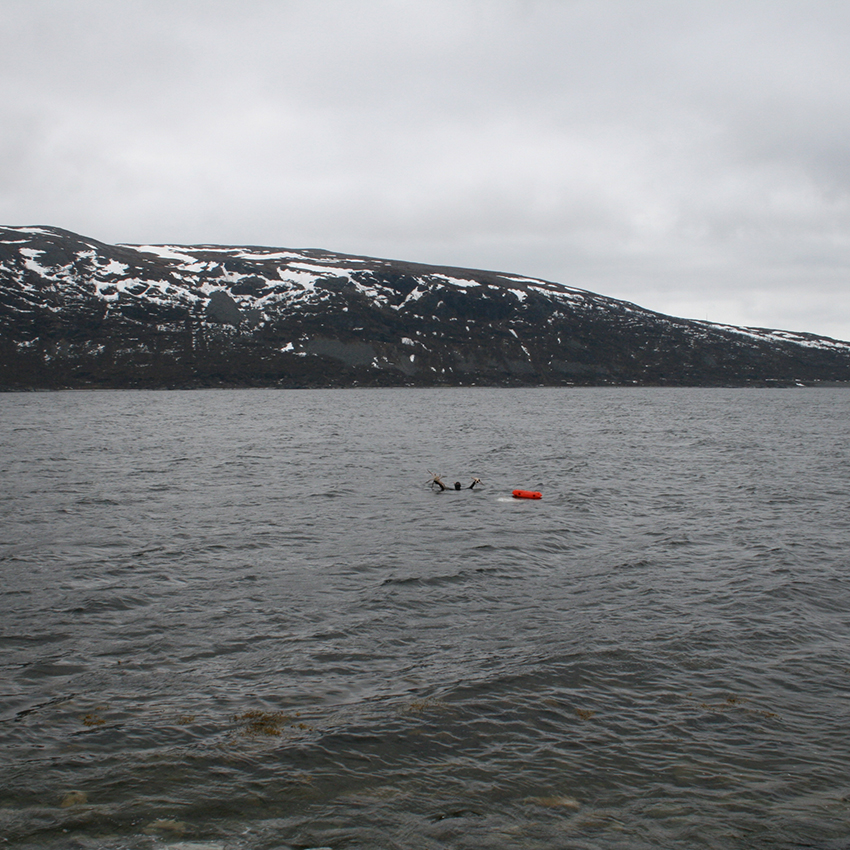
770, 335
460, 282
167, 252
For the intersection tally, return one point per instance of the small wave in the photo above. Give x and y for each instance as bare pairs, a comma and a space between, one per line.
30, 641
93, 500
20, 715
436, 581
98, 605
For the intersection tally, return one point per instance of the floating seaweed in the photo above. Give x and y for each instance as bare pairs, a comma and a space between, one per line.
272, 723
423, 705
167, 826
559, 801
74, 798
735, 702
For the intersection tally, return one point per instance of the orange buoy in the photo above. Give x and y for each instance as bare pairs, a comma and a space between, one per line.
527, 494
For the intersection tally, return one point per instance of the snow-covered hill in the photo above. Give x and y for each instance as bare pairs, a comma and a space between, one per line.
76, 312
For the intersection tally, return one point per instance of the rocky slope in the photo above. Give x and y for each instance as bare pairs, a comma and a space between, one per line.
75, 312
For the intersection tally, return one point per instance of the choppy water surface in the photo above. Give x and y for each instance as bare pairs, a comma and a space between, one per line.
239, 619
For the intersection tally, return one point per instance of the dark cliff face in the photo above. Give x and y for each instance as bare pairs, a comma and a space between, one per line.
78, 313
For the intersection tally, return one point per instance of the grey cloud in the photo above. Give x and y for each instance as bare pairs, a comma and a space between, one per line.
689, 157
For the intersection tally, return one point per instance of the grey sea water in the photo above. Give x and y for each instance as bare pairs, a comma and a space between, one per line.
241, 619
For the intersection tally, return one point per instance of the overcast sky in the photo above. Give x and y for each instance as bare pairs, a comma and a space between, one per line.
691, 156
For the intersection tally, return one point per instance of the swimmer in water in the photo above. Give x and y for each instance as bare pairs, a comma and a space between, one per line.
437, 479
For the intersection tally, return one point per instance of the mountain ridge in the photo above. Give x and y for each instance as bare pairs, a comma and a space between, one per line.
76, 312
